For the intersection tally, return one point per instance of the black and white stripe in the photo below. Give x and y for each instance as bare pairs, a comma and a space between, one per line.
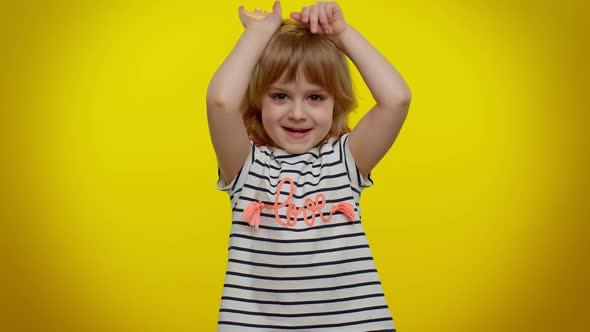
306, 278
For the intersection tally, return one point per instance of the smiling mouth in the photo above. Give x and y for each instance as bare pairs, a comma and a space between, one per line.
297, 132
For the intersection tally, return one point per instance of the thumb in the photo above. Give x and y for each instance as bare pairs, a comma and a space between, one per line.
276, 8
242, 15
296, 16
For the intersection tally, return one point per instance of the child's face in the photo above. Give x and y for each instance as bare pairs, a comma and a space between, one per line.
297, 115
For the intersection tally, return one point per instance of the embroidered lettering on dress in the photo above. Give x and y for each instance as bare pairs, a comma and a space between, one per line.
252, 211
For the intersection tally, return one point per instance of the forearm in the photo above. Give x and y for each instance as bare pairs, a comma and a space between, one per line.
385, 83
229, 84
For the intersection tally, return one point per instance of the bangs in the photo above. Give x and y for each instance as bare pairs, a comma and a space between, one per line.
296, 50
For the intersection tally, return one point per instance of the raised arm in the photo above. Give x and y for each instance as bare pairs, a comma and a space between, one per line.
377, 130
228, 87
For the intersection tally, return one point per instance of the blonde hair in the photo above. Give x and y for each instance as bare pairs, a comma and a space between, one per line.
293, 49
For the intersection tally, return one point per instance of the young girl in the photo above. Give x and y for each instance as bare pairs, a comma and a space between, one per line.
277, 110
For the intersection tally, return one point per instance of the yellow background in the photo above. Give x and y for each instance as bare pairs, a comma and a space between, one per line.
110, 220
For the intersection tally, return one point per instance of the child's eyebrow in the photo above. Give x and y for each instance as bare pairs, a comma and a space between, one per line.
318, 90
274, 87
314, 89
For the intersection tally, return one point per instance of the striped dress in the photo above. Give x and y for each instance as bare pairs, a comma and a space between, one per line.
299, 258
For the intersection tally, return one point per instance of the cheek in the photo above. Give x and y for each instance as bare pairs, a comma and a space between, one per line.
264, 121
269, 117
327, 115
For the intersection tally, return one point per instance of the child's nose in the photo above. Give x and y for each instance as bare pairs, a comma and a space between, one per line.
297, 112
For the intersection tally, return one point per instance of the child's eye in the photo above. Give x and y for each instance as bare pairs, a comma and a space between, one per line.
317, 98
278, 96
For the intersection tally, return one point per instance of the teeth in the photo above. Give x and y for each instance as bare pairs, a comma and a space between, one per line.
297, 130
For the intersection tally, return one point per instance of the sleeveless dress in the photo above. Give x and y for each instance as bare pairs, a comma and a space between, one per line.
298, 255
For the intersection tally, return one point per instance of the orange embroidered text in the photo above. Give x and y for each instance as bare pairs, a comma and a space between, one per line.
252, 211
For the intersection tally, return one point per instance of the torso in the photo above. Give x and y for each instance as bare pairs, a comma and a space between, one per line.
307, 266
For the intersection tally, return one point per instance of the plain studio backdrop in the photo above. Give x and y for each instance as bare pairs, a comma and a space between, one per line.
110, 219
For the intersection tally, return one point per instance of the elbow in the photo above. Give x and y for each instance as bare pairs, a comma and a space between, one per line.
398, 102
404, 97
217, 101
215, 97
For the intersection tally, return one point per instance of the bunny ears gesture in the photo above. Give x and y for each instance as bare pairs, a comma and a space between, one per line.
263, 20
324, 18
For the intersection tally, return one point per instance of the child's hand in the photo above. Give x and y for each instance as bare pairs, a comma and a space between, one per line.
263, 20
323, 18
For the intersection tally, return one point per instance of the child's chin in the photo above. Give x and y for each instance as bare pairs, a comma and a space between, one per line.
297, 149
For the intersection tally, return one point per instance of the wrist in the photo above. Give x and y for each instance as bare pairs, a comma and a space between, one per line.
339, 40
254, 41
344, 39
261, 30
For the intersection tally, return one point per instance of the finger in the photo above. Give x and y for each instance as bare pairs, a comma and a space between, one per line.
313, 19
323, 19
305, 15
329, 11
242, 15
276, 8
296, 16
333, 11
